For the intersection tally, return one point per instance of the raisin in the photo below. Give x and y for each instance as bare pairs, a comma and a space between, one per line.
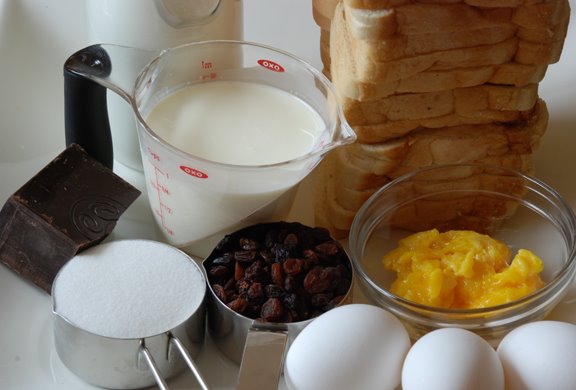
298, 302
292, 266
239, 305
232, 295
321, 300
281, 252
290, 283
291, 240
273, 291
267, 256
242, 286
329, 248
230, 284
255, 272
220, 292
272, 310
289, 300
276, 274
249, 244
245, 256
255, 293
315, 282
238, 271
270, 238
332, 277
223, 260
345, 278
219, 271
310, 257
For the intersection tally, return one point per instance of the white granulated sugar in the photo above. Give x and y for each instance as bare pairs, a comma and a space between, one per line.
128, 289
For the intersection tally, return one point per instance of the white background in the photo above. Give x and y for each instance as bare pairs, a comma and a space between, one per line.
36, 36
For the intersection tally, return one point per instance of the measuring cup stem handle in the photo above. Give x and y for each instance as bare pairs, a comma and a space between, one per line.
85, 104
263, 359
190, 362
153, 367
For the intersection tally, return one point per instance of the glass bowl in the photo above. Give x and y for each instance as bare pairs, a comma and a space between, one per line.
511, 207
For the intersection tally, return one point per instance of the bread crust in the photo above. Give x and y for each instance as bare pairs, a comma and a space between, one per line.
427, 82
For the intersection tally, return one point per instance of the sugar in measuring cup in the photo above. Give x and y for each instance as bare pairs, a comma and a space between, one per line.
129, 314
227, 129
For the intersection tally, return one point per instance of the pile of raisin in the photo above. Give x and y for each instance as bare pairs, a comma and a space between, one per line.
279, 272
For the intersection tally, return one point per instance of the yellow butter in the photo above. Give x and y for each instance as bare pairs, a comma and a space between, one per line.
461, 269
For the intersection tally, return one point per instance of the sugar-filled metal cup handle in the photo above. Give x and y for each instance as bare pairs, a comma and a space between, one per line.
145, 357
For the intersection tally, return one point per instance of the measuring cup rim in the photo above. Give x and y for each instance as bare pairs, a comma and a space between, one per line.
202, 301
347, 133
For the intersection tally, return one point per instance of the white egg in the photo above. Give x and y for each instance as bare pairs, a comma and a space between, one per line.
354, 346
452, 359
540, 355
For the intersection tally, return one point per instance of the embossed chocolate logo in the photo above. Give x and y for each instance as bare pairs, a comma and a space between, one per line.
95, 215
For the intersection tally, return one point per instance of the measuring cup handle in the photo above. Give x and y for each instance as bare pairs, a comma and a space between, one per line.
262, 360
145, 353
190, 362
85, 104
175, 341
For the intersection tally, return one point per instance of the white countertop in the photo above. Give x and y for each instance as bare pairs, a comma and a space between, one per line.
36, 36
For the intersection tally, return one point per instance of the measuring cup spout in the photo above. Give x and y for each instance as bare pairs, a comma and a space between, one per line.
87, 75
345, 136
338, 130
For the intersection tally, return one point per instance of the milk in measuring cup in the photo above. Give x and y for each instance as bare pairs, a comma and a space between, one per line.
236, 122
231, 122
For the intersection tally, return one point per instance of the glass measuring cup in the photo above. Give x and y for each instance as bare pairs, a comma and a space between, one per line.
196, 200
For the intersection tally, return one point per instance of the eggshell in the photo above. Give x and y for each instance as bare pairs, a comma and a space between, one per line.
452, 359
540, 355
354, 346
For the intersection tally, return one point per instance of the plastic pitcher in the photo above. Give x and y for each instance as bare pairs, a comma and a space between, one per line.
154, 25
196, 199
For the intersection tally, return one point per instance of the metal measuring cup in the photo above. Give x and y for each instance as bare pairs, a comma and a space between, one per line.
259, 347
130, 363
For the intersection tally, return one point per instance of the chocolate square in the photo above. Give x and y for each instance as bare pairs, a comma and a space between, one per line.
71, 204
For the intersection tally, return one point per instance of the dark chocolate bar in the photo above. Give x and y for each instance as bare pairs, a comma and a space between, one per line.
71, 204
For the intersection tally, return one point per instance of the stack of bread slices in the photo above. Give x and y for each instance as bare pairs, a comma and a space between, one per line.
432, 82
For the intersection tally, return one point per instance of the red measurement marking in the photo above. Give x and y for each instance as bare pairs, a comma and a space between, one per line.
165, 207
206, 64
154, 155
160, 188
161, 191
271, 65
209, 76
193, 172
